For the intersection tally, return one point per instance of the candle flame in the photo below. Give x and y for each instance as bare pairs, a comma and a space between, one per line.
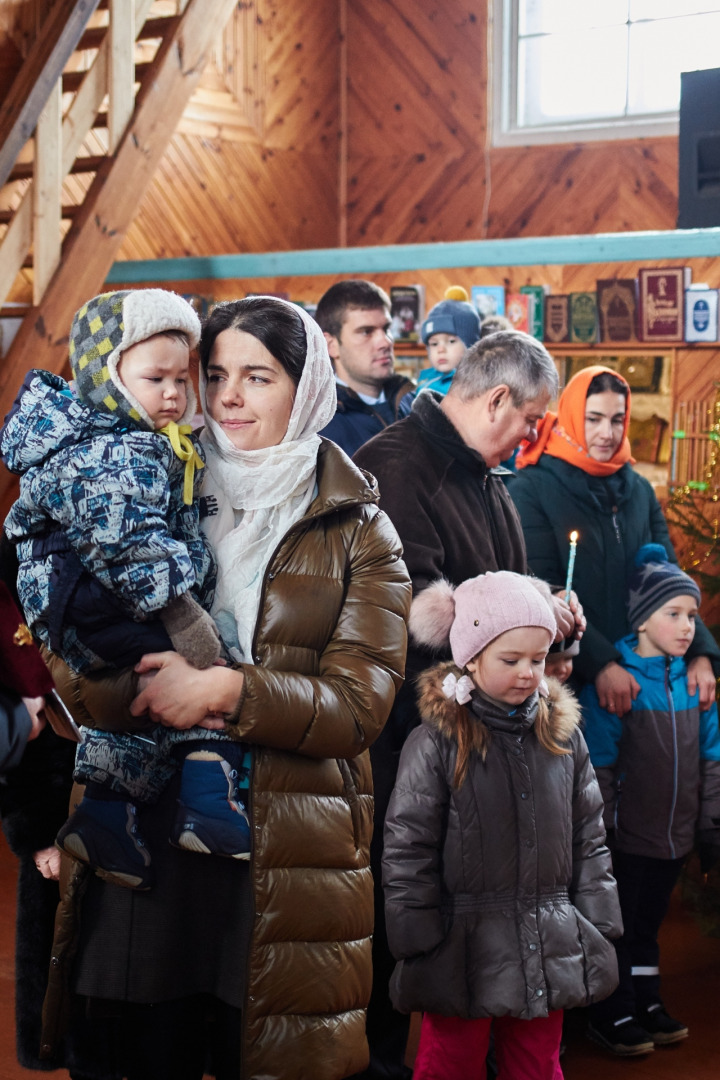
574, 537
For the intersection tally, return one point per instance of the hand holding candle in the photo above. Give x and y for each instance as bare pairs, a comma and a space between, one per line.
571, 565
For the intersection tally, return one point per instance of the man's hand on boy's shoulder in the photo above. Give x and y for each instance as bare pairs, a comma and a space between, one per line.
701, 677
616, 688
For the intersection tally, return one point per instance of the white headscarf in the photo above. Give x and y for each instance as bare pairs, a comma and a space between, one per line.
259, 494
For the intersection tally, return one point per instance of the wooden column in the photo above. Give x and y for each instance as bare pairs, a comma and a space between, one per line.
121, 81
47, 193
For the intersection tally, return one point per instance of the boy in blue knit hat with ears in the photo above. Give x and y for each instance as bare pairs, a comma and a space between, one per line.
659, 771
451, 327
112, 565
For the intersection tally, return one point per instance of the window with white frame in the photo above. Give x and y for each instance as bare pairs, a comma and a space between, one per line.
567, 70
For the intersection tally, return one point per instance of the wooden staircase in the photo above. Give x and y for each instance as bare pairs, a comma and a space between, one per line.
85, 124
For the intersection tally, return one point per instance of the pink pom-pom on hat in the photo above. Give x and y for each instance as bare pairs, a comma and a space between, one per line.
479, 610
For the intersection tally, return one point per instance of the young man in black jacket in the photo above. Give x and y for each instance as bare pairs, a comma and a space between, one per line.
355, 318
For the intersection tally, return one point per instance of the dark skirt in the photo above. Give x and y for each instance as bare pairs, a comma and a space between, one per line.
187, 935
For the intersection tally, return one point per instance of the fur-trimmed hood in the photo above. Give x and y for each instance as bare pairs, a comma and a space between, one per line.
560, 707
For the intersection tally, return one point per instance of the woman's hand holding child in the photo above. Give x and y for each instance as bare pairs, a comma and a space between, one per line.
178, 695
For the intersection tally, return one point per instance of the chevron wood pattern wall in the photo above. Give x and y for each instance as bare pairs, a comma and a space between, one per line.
421, 166
274, 153
254, 165
269, 158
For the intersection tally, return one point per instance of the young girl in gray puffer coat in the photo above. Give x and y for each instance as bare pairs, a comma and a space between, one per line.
499, 894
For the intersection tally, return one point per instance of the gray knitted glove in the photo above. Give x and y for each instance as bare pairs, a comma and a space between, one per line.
192, 631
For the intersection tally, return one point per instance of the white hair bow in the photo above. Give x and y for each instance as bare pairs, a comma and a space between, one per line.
461, 689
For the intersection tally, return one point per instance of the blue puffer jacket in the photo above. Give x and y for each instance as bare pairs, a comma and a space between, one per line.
100, 526
659, 765
432, 379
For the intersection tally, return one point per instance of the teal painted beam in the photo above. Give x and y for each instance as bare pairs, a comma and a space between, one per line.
521, 251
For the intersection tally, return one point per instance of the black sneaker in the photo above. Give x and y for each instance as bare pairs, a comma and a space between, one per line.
104, 835
661, 1028
623, 1037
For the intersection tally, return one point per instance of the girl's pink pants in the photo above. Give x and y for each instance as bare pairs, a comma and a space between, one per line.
454, 1049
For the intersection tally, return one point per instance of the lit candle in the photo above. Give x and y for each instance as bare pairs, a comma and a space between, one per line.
571, 565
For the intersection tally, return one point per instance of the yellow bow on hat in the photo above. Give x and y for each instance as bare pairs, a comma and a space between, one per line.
184, 447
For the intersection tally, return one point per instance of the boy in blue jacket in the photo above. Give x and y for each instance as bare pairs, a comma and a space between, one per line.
113, 565
659, 771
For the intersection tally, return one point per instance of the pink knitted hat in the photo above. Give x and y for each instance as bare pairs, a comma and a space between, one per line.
479, 610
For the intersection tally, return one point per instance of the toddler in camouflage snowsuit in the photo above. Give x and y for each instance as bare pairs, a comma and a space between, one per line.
113, 565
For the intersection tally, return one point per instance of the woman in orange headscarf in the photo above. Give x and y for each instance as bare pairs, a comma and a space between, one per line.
578, 476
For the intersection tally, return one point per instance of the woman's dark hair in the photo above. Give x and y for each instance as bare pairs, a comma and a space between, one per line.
607, 380
275, 325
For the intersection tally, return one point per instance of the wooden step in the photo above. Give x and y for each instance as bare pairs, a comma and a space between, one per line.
72, 80
68, 212
26, 170
152, 29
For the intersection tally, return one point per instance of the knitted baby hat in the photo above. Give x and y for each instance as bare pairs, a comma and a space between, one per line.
653, 582
109, 324
479, 610
453, 315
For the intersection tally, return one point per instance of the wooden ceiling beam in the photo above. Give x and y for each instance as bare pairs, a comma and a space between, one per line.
41, 69
111, 203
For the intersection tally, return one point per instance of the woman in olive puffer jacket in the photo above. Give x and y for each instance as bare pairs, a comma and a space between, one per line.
314, 595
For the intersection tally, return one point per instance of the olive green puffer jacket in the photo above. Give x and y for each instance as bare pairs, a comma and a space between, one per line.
329, 655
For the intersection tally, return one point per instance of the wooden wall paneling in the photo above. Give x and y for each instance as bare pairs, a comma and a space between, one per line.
416, 135
301, 45
244, 65
418, 153
697, 373
245, 197
584, 188
415, 122
236, 178
427, 117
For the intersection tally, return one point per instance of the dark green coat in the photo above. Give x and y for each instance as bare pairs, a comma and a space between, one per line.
614, 516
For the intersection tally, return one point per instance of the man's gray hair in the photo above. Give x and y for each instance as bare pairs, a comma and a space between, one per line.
511, 358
